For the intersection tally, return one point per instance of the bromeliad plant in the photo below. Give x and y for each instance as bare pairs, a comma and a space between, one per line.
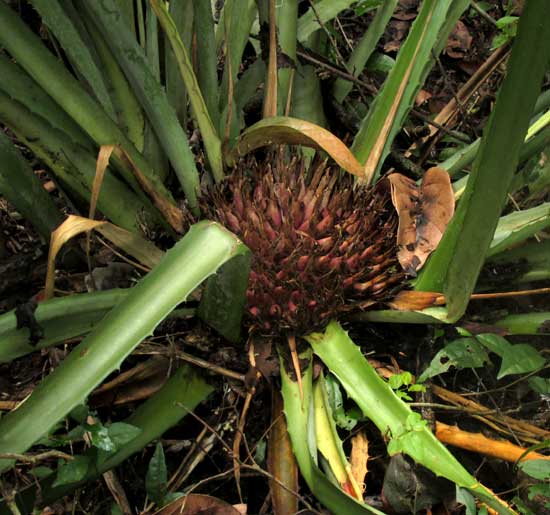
322, 239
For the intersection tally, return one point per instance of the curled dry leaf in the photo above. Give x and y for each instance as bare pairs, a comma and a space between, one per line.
423, 215
410, 300
359, 458
133, 244
292, 131
195, 504
459, 41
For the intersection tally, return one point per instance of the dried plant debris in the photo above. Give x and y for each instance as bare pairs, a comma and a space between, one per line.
424, 213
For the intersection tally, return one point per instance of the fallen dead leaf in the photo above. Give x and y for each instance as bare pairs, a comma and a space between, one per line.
459, 42
410, 300
199, 504
359, 458
423, 215
422, 96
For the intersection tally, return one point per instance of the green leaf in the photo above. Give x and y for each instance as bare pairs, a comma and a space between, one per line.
72, 36
454, 267
287, 28
516, 227
467, 499
157, 476
75, 166
180, 395
461, 353
211, 141
86, 310
396, 381
425, 41
528, 263
50, 73
520, 359
345, 420
19, 85
539, 469
364, 53
223, 300
150, 93
540, 384
100, 437
182, 14
41, 472
205, 248
390, 414
325, 10
506, 21
80, 413
115, 509
207, 56
516, 359
20, 186
299, 422
541, 490
73, 471
526, 323
121, 433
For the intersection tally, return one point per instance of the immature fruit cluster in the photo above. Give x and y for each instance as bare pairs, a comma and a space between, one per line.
321, 244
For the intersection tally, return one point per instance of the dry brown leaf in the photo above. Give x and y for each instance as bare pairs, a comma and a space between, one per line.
195, 504
131, 243
459, 41
359, 458
423, 215
410, 300
422, 97
103, 157
281, 462
292, 131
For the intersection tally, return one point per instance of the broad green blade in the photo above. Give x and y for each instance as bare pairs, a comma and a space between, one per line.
238, 16
365, 48
153, 150
300, 423
29, 52
528, 263
287, 22
323, 11
133, 61
425, 41
407, 431
60, 318
205, 248
129, 113
518, 226
74, 166
72, 36
17, 84
210, 139
207, 58
22, 188
436, 315
454, 267
526, 323
539, 140
182, 14
224, 298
